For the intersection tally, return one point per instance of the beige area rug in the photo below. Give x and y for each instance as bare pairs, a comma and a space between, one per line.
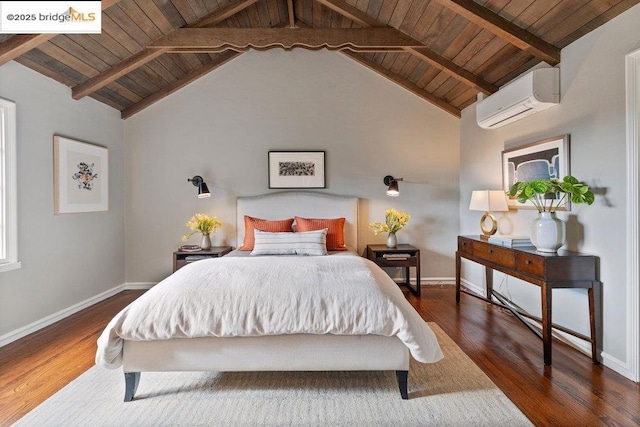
452, 392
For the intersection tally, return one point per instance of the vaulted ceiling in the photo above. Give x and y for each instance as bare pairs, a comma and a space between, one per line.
445, 51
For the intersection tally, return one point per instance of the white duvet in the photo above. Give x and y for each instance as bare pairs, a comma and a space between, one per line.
271, 295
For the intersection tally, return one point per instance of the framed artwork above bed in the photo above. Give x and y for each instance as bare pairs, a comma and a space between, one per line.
297, 169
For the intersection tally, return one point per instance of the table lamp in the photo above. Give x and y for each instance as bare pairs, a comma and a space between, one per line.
488, 201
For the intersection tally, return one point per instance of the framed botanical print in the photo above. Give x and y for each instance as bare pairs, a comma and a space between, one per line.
80, 176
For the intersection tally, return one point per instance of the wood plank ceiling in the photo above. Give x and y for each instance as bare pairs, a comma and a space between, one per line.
445, 51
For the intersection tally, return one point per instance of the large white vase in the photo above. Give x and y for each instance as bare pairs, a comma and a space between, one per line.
548, 233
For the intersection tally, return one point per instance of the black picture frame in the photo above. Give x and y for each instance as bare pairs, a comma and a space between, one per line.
297, 169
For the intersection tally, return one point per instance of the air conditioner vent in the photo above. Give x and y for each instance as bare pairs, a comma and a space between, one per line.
533, 92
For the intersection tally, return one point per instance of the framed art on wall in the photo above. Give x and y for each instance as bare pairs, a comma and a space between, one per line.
80, 176
296, 169
547, 159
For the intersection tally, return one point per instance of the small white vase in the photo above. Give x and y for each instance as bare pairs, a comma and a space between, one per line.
392, 240
548, 233
205, 243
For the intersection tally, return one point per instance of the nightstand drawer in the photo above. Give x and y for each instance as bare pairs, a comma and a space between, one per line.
494, 253
411, 261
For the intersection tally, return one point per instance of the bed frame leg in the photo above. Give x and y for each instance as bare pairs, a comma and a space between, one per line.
402, 377
131, 381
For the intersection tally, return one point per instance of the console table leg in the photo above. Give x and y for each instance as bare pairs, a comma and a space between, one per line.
457, 278
488, 278
546, 323
595, 301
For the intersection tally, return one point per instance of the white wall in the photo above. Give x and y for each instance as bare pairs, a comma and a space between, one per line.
223, 125
592, 111
66, 259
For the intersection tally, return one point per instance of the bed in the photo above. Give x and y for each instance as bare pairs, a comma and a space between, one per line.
246, 310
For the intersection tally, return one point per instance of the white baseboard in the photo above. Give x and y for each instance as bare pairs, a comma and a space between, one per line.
480, 290
623, 368
55, 317
134, 286
435, 281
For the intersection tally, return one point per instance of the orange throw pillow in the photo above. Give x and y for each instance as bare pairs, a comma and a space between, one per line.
251, 224
335, 236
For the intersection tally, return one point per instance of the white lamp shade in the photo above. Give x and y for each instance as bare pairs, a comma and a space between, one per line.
489, 201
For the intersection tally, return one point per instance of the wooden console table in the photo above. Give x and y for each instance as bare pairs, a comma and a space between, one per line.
549, 271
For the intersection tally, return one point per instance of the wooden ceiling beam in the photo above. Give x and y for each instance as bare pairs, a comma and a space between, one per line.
221, 14
242, 38
101, 80
352, 13
178, 84
423, 53
244, 49
460, 73
416, 90
23, 43
139, 59
504, 29
106, 4
292, 14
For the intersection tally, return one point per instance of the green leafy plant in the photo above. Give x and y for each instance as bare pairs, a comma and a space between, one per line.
543, 193
201, 223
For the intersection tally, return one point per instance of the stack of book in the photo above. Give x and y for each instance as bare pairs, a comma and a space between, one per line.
190, 248
510, 241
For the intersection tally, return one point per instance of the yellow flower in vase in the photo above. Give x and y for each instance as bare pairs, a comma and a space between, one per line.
205, 224
394, 221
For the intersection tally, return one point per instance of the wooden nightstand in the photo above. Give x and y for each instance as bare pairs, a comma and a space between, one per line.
181, 258
406, 256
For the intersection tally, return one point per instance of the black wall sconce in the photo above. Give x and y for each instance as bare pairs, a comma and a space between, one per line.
392, 182
203, 190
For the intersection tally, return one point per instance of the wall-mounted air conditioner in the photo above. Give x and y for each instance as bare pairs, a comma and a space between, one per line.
530, 93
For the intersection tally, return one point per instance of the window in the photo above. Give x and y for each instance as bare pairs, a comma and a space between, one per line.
8, 193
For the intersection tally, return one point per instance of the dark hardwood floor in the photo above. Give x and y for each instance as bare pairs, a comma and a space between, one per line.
573, 392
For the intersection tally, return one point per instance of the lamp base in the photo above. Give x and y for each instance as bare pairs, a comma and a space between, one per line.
494, 224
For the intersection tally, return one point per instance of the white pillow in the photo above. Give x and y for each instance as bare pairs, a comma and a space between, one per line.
303, 243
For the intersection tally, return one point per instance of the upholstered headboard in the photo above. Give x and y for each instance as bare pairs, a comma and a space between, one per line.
288, 204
